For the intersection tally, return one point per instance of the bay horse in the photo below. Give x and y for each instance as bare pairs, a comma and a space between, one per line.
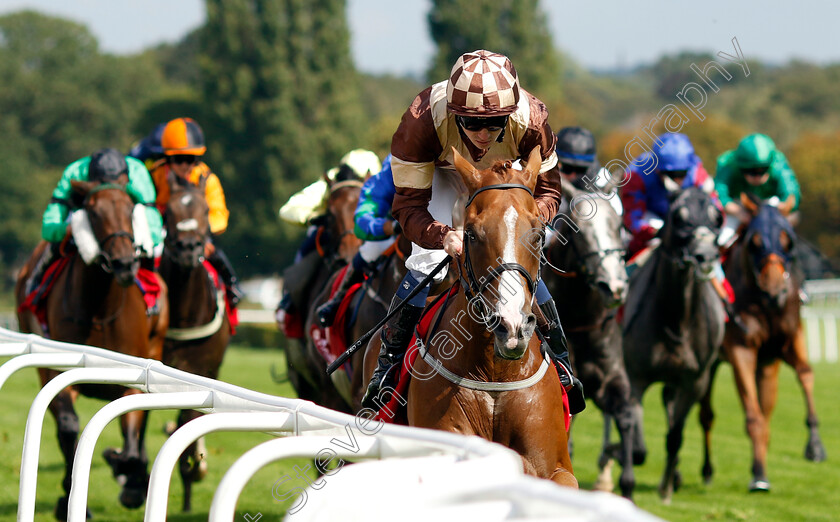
95, 301
368, 306
674, 323
767, 330
336, 246
585, 264
199, 330
488, 378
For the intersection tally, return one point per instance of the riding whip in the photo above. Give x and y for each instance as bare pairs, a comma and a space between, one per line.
366, 337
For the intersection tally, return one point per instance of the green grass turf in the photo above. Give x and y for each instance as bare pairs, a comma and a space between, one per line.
242, 366
802, 490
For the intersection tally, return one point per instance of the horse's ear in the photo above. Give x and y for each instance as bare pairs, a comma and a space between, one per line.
532, 169
81, 187
471, 176
748, 203
670, 185
786, 206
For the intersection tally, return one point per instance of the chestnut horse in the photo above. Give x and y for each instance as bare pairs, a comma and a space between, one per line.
98, 303
767, 329
674, 323
199, 330
337, 244
586, 265
496, 383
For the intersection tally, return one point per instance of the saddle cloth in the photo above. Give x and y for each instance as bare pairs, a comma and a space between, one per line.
36, 301
232, 313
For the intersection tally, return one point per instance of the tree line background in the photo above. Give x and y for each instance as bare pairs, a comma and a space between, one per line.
273, 84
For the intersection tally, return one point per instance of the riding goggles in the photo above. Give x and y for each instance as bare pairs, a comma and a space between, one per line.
476, 123
754, 172
572, 170
184, 158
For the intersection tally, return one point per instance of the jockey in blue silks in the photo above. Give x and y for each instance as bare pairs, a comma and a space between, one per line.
645, 196
376, 226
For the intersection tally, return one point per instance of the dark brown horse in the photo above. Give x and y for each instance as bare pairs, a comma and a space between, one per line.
674, 322
199, 330
488, 376
370, 304
336, 246
767, 329
97, 303
586, 267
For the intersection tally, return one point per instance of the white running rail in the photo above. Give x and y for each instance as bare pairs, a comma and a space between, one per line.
304, 428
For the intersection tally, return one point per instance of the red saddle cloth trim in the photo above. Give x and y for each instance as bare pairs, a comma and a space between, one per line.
232, 313
394, 411
332, 340
148, 283
36, 301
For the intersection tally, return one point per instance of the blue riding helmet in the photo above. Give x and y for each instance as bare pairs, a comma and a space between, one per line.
673, 152
150, 145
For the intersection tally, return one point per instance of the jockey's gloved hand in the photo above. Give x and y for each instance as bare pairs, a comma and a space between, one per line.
319, 220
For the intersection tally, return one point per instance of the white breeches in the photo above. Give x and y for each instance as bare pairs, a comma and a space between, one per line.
371, 250
448, 190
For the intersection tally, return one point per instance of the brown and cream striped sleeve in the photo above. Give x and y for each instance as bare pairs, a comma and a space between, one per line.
548, 190
414, 149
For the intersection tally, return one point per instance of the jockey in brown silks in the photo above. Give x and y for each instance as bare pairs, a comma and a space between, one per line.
481, 112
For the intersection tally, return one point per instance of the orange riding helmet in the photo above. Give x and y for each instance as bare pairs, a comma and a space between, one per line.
183, 136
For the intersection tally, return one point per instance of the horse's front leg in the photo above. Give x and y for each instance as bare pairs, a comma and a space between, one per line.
744, 363
130, 466
192, 464
680, 401
707, 418
798, 359
67, 427
605, 460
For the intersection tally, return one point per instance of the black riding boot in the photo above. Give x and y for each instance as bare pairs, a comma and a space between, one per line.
560, 354
50, 253
326, 312
222, 265
396, 335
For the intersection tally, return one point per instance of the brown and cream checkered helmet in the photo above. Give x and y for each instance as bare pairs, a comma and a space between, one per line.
482, 83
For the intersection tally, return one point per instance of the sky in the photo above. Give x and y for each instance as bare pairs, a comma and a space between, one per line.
391, 36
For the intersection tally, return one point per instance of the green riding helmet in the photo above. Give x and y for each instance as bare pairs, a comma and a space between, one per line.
755, 151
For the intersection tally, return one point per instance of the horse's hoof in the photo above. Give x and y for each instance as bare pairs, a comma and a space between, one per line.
639, 457
200, 471
132, 498
61, 510
707, 473
169, 427
815, 452
759, 486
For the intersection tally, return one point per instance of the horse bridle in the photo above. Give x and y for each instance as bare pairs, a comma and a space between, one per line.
473, 286
106, 263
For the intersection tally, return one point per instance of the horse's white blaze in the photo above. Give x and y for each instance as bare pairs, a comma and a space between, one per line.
186, 199
606, 238
187, 225
512, 292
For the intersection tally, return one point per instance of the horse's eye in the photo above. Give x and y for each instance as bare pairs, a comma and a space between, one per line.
785, 241
756, 241
470, 234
